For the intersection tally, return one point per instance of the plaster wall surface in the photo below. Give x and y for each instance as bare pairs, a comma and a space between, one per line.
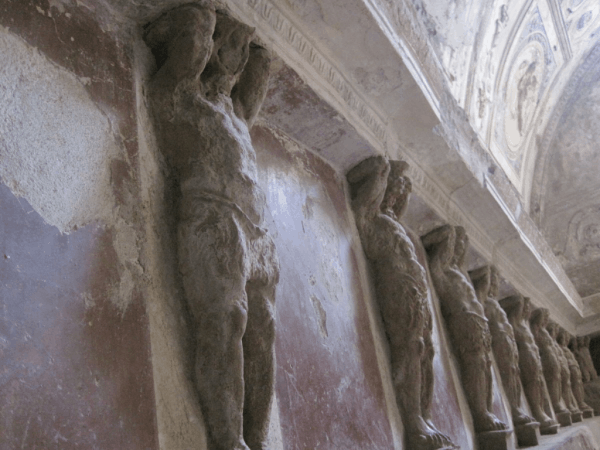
75, 354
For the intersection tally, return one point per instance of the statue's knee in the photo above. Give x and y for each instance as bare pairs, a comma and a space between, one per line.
237, 320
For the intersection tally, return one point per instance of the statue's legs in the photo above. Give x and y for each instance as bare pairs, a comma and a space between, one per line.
553, 381
404, 308
212, 262
471, 340
533, 384
258, 342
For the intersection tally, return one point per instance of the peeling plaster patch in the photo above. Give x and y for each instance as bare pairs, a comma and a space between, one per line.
55, 143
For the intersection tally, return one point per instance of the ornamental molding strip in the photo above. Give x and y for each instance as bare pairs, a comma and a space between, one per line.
281, 33
398, 25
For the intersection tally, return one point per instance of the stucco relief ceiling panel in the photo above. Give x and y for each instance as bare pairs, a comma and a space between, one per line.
582, 19
496, 33
530, 64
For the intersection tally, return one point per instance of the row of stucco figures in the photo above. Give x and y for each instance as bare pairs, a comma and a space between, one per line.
532, 352
210, 81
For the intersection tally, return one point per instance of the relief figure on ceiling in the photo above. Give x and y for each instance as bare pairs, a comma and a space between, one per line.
550, 363
466, 322
565, 373
210, 82
518, 311
522, 94
504, 346
380, 195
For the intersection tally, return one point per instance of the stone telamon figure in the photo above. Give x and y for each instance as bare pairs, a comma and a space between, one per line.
518, 310
564, 338
485, 281
465, 318
565, 374
584, 357
550, 363
210, 83
380, 195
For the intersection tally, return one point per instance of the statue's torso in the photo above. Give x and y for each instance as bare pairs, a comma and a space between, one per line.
390, 247
212, 153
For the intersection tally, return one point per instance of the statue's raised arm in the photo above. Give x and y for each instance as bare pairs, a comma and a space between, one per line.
251, 89
368, 182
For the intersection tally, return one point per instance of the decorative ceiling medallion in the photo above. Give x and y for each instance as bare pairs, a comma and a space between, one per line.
523, 93
525, 76
583, 236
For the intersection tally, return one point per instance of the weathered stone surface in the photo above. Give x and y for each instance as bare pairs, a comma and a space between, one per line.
550, 363
465, 319
76, 362
518, 310
576, 380
584, 358
210, 82
565, 373
380, 195
485, 281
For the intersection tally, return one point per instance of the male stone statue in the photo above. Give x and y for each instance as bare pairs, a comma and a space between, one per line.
518, 310
469, 332
576, 381
550, 363
380, 195
485, 281
210, 83
584, 358
591, 384
565, 374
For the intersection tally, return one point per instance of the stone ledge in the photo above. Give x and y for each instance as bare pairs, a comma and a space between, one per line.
581, 436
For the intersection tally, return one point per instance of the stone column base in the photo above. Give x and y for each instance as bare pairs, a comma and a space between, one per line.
564, 419
494, 440
550, 429
528, 435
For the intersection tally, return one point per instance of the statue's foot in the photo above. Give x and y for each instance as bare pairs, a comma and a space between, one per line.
520, 418
426, 437
436, 441
435, 430
547, 422
488, 422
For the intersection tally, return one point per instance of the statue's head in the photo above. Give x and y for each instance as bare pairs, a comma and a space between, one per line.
539, 317
563, 337
527, 308
513, 305
231, 47
398, 188
552, 328
481, 278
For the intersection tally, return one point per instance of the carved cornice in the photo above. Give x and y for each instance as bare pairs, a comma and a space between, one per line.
280, 32
404, 29
443, 204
